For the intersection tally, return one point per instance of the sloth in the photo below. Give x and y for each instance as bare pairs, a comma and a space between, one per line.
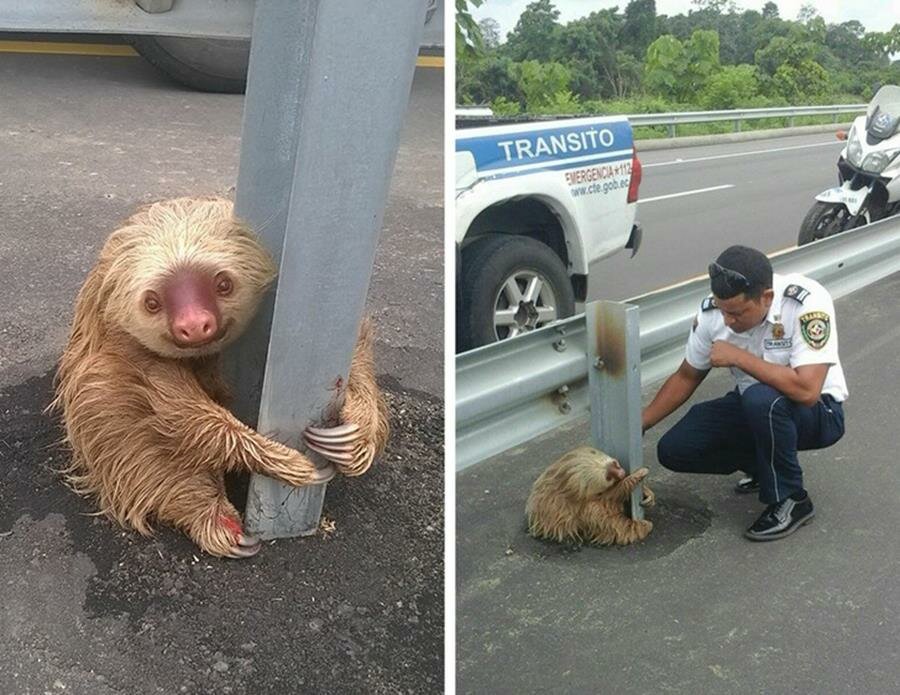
582, 497
139, 388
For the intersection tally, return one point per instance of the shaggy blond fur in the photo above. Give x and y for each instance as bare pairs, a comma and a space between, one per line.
573, 500
145, 419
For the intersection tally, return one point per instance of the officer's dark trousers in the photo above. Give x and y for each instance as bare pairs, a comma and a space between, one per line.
758, 432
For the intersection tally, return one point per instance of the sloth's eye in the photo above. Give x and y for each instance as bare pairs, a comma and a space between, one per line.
224, 285
152, 303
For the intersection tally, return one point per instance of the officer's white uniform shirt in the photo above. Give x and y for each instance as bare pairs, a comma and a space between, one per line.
806, 318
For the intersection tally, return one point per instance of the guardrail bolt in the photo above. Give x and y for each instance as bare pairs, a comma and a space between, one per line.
562, 400
599, 364
560, 344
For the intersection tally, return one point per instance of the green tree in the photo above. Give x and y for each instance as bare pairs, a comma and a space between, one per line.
489, 28
679, 70
483, 80
534, 35
468, 38
715, 6
539, 83
735, 86
665, 65
791, 49
802, 81
639, 29
770, 10
806, 13
591, 45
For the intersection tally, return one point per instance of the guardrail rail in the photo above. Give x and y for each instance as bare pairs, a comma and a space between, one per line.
470, 118
510, 392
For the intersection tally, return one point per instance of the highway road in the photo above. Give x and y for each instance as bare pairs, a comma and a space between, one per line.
696, 201
88, 608
696, 607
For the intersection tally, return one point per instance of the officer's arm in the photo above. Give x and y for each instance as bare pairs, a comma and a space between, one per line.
801, 384
677, 389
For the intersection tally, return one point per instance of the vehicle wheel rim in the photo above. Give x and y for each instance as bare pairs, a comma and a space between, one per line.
525, 301
831, 223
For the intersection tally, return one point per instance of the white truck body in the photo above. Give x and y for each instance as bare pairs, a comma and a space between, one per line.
579, 168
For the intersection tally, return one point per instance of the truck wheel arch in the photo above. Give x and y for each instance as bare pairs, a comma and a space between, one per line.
538, 217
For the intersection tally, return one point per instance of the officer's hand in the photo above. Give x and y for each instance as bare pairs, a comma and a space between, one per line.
723, 354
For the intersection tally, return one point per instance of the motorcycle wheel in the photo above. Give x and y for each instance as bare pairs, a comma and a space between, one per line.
823, 220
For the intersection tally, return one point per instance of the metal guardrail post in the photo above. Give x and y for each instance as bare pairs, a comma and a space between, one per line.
672, 130
321, 128
737, 125
614, 378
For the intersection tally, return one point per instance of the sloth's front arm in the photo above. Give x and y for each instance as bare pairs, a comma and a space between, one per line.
203, 434
624, 489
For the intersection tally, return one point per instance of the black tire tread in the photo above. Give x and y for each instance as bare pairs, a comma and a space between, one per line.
484, 262
811, 221
205, 80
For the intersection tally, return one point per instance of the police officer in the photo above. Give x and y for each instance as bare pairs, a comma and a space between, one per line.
777, 336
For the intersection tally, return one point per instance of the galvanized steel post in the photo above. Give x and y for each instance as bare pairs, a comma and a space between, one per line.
328, 88
614, 378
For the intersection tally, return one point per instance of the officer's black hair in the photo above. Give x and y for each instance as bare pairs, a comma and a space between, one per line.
752, 264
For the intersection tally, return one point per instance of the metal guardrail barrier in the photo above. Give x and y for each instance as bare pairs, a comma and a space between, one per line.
471, 118
510, 392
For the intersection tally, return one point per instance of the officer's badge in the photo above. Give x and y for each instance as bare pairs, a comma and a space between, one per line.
796, 292
815, 328
778, 331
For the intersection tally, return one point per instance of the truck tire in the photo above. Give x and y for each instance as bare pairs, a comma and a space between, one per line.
210, 65
509, 284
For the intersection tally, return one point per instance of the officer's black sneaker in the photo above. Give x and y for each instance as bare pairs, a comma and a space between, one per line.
781, 519
745, 485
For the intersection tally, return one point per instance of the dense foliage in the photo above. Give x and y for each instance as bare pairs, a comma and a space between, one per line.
714, 57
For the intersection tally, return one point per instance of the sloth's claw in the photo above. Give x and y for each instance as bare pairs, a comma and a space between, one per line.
323, 474
332, 433
247, 541
241, 551
333, 455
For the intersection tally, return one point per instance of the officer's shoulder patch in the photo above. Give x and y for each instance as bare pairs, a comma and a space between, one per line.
709, 303
815, 327
796, 292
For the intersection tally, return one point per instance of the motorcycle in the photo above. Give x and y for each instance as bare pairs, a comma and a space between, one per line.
868, 173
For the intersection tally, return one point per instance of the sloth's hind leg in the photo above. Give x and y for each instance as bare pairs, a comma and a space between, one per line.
197, 505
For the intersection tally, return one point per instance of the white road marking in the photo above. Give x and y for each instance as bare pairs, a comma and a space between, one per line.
678, 195
737, 154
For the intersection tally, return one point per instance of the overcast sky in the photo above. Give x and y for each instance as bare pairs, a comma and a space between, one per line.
876, 15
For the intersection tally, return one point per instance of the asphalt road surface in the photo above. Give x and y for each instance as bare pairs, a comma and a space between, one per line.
695, 202
696, 608
86, 608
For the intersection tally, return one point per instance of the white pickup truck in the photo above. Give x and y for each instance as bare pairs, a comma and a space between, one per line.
536, 204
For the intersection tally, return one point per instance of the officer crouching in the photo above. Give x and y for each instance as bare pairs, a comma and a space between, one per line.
777, 335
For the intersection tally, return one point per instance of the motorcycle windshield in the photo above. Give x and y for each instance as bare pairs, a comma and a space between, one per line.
886, 100
883, 115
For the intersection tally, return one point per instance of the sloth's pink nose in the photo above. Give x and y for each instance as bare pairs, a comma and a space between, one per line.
194, 326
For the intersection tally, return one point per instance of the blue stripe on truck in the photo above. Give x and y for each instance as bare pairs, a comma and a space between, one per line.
498, 151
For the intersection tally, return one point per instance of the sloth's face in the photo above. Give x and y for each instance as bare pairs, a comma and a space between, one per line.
186, 279
614, 471
192, 312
